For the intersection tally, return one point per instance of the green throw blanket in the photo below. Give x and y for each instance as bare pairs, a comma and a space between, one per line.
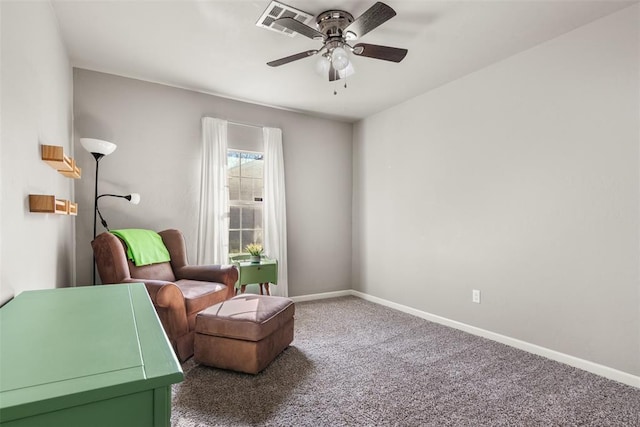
144, 247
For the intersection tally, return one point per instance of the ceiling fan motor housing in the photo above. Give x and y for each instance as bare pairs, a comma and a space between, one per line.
332, 23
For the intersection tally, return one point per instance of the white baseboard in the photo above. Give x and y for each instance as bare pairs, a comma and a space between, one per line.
594, 368
323, 295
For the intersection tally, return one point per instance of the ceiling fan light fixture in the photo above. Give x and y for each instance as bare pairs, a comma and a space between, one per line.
339, 58
322, 65
348, 71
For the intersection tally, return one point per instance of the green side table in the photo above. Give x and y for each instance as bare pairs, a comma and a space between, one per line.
262, 273
89, 356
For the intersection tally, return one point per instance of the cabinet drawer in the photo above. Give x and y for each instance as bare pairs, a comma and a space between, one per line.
259, 273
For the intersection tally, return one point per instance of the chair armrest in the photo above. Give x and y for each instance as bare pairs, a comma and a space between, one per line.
225, 274
170, 306
162, 293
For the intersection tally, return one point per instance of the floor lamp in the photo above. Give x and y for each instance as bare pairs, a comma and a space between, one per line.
98, 149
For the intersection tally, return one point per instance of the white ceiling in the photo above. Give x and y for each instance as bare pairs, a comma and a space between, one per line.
215, 46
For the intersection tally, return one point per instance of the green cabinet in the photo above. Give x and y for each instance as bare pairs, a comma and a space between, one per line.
262, 273
265, 272
90, 356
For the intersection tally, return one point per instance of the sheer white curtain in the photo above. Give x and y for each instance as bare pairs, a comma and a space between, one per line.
213, 223
275, 212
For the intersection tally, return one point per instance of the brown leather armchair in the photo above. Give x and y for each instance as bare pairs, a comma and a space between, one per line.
178, 290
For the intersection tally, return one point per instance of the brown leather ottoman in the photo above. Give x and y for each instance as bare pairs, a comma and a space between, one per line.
244, 333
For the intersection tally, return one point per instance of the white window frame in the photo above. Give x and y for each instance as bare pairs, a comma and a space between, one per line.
244, 203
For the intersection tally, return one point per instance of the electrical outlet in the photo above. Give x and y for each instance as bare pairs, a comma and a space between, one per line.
475, 296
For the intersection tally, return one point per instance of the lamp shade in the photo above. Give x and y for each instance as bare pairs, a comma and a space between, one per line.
134, 198
99, 146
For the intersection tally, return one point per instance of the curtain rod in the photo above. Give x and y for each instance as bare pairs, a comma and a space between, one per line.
244, 124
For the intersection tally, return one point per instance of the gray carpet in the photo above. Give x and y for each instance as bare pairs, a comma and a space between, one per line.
355, 363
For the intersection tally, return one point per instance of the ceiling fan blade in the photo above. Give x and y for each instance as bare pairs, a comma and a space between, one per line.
372, 18
286, 60
299, 27
393, 54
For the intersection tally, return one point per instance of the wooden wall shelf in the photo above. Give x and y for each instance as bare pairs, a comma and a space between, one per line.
44, 203
73, 208
53, 155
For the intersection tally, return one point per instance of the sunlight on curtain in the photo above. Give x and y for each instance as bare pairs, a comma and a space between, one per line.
213, 223
275, 213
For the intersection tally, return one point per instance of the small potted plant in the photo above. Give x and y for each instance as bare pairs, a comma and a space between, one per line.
255, 250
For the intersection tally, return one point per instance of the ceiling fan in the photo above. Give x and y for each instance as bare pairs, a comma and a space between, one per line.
337, 29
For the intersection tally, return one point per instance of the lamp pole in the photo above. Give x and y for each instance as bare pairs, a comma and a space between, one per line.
97, 156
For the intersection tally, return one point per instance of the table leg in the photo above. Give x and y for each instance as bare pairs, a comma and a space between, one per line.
261, 292
266, 286
243, 288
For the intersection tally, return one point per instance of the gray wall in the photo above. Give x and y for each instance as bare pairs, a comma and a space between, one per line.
37, 250
520, 180
158, 132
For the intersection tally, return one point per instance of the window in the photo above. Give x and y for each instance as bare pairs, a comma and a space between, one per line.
245, 198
